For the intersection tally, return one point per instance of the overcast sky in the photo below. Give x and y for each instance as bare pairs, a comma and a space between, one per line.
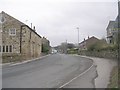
58, 19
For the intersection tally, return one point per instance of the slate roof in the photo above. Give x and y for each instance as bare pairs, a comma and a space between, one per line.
111, 24
88, 39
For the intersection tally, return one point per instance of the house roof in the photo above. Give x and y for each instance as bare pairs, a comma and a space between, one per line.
111, 24
89, 39
32, 30
22, 24
3, 13
116, 22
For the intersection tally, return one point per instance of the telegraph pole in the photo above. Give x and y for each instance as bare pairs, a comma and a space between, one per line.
78, 35
118, 43
78, 39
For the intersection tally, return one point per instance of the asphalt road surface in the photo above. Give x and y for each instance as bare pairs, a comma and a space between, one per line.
54, 71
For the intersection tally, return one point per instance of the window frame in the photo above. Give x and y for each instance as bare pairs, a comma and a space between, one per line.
3, 48
7, 49
11, 33
0, 48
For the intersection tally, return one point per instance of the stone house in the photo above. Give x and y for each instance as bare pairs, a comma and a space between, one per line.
0, 41
113, 28
19, 41
45, 41
88, 42
46, 44
112, 32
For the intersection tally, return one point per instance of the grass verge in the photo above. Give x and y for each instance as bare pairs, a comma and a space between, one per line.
114, 78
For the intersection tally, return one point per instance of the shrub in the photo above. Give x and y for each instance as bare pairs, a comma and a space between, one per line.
45, 48
100, 46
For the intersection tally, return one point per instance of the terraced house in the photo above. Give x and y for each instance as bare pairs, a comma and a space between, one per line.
19, 41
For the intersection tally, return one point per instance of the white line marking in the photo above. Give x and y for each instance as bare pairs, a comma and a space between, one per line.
76, 77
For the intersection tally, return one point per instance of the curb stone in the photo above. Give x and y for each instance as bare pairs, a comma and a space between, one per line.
26, 61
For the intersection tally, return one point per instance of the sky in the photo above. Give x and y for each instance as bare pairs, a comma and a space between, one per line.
57, 20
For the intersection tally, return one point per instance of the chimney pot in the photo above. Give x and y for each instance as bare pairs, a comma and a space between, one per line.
88, 37
84, 39
34, 28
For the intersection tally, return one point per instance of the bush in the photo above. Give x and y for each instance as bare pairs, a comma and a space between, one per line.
45, 48
96, 46
100, 46
72, 51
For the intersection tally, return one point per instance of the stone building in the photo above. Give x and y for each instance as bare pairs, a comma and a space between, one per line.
19, 41
112, 32
0, 40
45, 41
113, 29
88, 42
46, 45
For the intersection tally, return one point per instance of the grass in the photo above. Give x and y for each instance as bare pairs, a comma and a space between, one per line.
114, 78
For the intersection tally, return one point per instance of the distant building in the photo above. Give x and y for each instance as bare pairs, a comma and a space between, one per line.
19, 41
111, 32
112, 29
46, 45
53, 50
45, 41
88, 42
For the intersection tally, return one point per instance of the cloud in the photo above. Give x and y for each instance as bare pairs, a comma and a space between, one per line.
57, 19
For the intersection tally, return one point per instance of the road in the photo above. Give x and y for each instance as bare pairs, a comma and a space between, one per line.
54, 71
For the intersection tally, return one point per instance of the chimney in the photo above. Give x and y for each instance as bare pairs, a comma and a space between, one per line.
88, 37
31, 25
34, 28
84, 39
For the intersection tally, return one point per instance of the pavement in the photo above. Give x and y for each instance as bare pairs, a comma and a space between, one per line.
104, 68
54, 71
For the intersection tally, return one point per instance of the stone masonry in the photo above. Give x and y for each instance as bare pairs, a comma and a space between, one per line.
19, 41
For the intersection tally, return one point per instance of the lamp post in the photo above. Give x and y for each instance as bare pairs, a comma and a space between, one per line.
78, 36
118, 43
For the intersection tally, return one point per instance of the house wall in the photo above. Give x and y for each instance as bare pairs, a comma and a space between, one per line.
86, 43
0, 41
46, 43
91, 42
112, 32
9, 39
30, 41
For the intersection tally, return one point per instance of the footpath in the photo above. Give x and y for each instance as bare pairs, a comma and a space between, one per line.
24, 61
104, 68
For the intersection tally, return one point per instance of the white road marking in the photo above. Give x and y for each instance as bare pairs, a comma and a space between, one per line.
76, 77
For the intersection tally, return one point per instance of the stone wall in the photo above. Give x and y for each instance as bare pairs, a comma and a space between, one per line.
101, 54
12, 57
26, 43
31, 44
7, 39
0, 40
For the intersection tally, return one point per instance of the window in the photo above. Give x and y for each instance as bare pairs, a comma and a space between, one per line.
6, 48
0, 49
3, 48
110, 41
10, 48
12, 31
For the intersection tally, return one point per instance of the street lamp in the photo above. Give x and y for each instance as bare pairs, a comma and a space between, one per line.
78, 35
118, 41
